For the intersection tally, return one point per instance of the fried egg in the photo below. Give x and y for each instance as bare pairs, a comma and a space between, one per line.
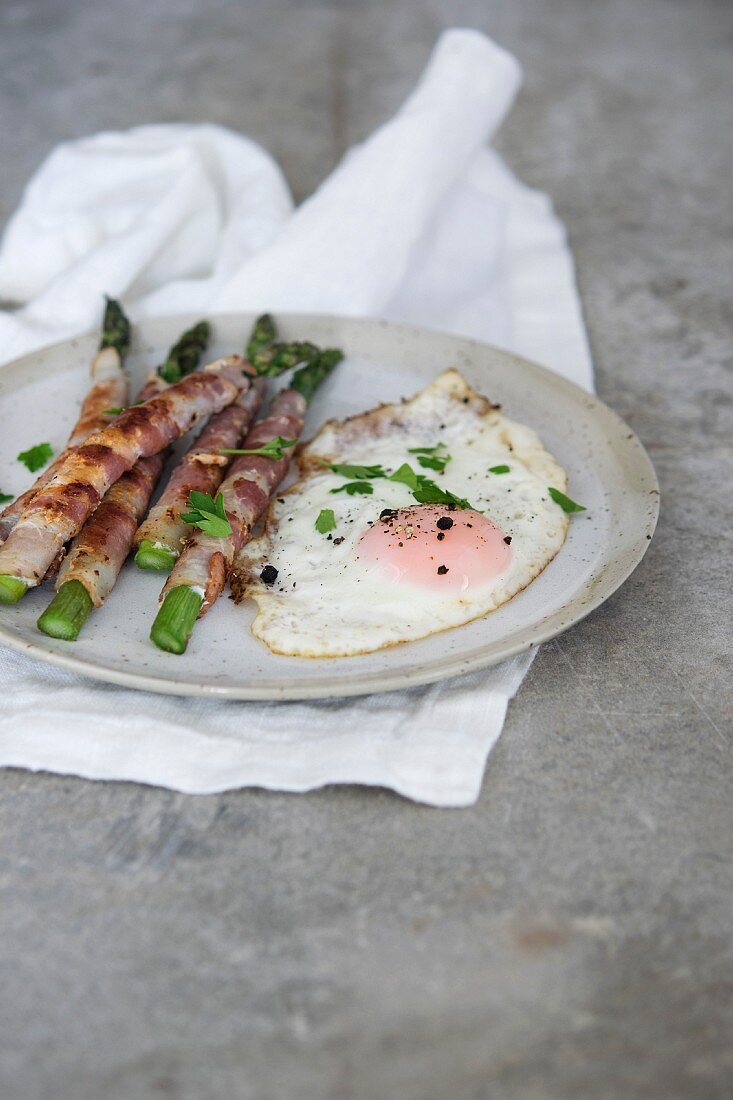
437, 513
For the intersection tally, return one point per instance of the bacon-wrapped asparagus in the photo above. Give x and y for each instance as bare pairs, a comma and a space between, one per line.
203, 568
185, 356
58, 512
108, 390
160, 538
201, 469
96, 556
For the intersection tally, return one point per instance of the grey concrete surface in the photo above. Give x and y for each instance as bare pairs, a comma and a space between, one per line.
570, 936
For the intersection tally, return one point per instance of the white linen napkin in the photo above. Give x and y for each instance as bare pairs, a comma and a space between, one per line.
420, 223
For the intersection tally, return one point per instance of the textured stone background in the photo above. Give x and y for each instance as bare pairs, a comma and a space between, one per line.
569, 937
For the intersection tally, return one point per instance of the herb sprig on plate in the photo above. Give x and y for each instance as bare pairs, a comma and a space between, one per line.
36, 457
326, 521
565, 502
207, 514
274, 448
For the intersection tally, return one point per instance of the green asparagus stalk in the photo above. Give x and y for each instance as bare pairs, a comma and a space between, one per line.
115, 328
176, 619
278, 357
264, 333
12, 589
307, 380
186, 354
155, 559
68, 611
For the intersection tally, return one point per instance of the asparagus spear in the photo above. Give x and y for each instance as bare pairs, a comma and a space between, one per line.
185, 356
277, 357
158, 540
108, 390
202, 570
116, 330
160, 537
59, 511
90, 570
264, 333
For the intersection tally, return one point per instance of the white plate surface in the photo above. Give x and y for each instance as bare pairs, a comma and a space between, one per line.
608, 469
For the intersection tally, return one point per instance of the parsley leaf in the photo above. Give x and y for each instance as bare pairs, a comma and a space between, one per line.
207, 514
426, 491
406, 475
499, 469
430, 493
431, 458
274, 448
358, 472
352, 487
434, 462
565, 503
36, 457
326, 521
5, 497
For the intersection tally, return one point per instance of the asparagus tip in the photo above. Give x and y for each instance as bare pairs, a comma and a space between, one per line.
175, 620
67, 612
12, 589
156, 559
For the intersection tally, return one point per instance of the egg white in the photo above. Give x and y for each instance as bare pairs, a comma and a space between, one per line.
325, 602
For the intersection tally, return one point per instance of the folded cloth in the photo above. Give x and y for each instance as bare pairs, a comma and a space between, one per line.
420, 223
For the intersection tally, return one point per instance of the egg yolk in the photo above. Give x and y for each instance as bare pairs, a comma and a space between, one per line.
435, 547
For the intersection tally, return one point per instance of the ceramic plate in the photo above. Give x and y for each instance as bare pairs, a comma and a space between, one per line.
608, 469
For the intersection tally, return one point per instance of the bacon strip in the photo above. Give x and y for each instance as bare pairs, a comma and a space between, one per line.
101, 548
98, 552
109, 390
201, 468
206, 562
61, 508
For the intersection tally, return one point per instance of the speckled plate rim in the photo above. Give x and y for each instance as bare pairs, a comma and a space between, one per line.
598, 587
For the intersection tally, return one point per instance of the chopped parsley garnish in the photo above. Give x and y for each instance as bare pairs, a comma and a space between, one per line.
207, 514
274, 448
406, 475
499, 469
5, 497
430, 493
326, 521
358, 472
423, 489
431, 458
352, 487
434, 462
36, 457
565, 503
